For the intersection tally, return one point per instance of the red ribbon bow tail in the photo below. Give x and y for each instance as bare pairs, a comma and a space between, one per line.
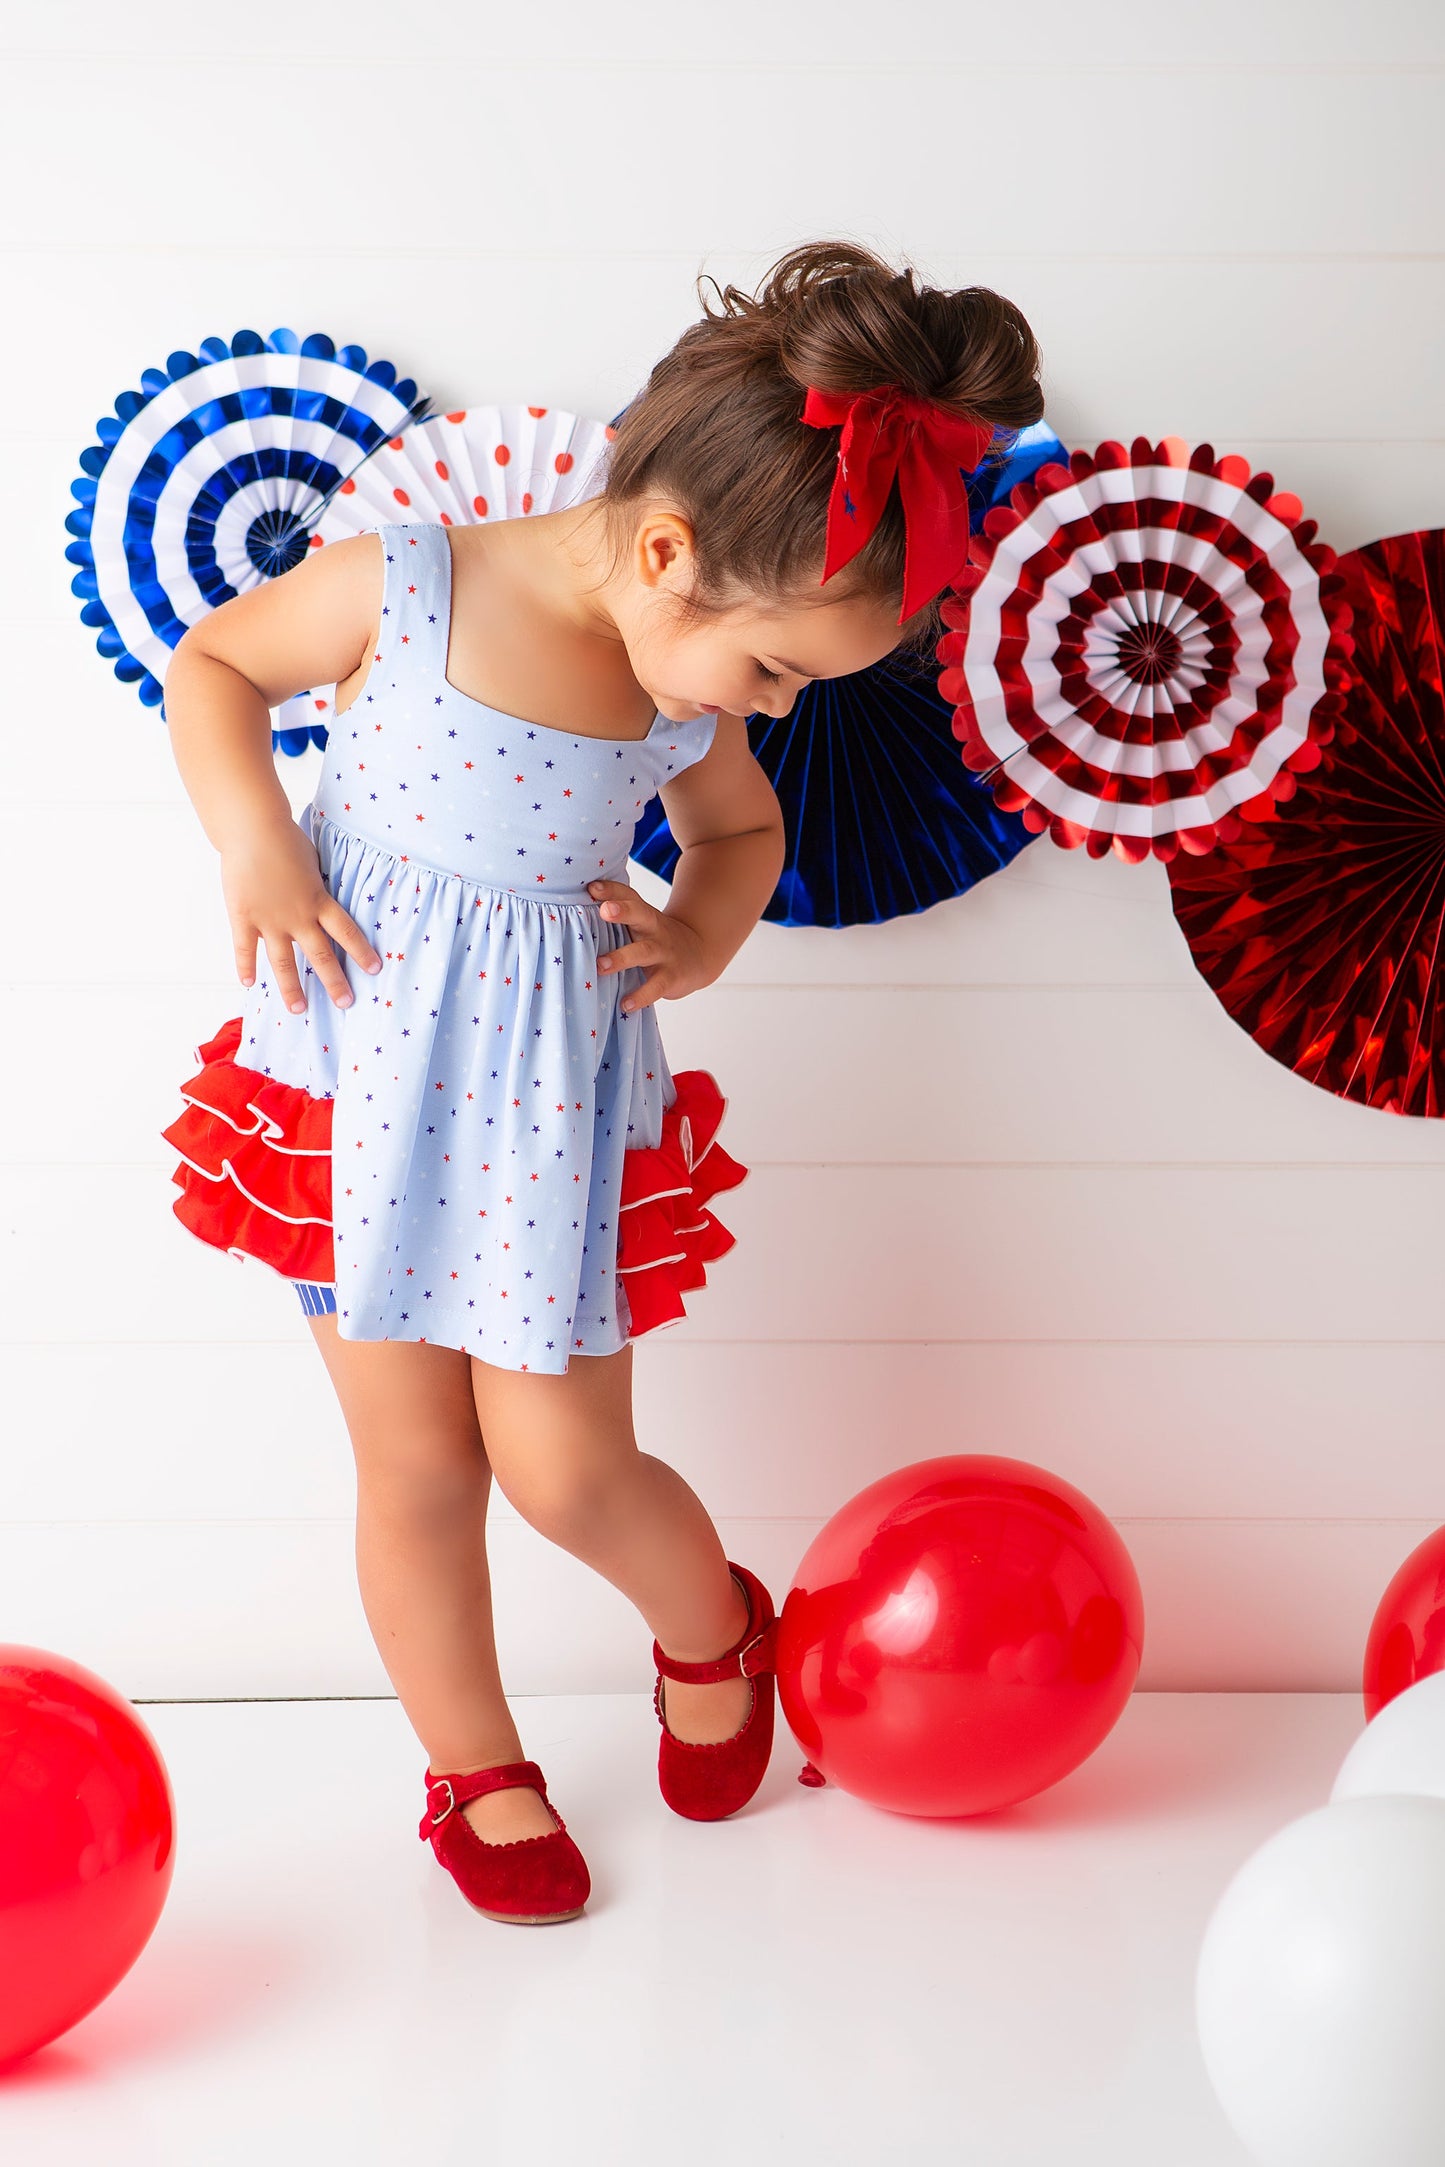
255, 1171
667, 1236
936, 529
868, 449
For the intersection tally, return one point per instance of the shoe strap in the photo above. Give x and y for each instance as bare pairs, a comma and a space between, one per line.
754, 1650
445, 1793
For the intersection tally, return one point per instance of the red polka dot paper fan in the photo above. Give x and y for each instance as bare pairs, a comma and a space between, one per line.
455, 470
1146, 645
482, 462
1322, 930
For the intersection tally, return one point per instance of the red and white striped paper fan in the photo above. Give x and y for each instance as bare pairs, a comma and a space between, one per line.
1145, 643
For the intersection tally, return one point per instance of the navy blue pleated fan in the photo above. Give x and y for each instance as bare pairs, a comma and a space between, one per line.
882, 816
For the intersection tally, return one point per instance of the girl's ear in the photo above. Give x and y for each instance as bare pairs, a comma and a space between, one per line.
663, 547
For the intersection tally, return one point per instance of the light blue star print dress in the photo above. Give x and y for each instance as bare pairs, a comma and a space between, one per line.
485, 1084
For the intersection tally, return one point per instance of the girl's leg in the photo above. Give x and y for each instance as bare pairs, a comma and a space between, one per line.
564, 1454
422, 1483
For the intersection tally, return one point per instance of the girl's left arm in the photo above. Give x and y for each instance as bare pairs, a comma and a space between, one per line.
728, 825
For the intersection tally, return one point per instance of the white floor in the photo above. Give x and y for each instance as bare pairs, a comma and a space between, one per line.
811, 1981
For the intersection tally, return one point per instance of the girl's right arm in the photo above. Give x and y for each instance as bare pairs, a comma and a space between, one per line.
315, 625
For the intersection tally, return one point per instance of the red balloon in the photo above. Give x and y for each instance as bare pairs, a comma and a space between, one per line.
1407, 1638
87, 1843
959, 1636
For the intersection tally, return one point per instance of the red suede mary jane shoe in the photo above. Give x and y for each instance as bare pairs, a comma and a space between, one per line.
706, 1782
527, 1883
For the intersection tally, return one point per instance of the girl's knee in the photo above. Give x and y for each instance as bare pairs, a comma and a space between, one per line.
420, 1477
561, 1496
562, 1448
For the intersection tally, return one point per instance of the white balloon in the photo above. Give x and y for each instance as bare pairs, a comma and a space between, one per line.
1402, 1748
1321, 1989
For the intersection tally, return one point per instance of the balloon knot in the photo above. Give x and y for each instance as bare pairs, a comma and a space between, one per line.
810, 1775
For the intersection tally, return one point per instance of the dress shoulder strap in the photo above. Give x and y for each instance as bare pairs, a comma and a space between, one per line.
416, 600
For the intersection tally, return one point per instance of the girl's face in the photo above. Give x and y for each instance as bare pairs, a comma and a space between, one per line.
754, 659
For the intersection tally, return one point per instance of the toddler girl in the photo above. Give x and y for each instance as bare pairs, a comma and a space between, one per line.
444, 1111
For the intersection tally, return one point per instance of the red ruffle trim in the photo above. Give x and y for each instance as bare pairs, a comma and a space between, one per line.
666, 1234
255, 1179
255, 1172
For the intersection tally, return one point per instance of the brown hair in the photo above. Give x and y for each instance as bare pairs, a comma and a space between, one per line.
717, 428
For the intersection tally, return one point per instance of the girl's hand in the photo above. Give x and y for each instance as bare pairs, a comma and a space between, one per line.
664, 947
271, 879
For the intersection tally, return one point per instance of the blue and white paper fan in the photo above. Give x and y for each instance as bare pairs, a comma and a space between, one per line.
1012, 462
882, 816
211, 478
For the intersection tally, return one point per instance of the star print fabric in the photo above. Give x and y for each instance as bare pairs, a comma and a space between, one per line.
485, 1084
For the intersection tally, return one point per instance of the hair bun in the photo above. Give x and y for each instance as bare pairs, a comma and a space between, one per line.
716, 431
846, 321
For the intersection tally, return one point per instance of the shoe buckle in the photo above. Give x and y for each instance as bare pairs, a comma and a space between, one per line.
442, 1782
756, 1641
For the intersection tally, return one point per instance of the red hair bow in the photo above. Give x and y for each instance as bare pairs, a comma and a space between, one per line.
890, 431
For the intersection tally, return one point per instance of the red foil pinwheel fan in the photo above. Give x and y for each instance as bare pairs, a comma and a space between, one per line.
1145, 644
1323, 930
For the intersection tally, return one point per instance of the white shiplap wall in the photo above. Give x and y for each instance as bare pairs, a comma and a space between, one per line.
1019, 1185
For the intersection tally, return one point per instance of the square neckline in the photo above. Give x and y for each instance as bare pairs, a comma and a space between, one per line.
522, 721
